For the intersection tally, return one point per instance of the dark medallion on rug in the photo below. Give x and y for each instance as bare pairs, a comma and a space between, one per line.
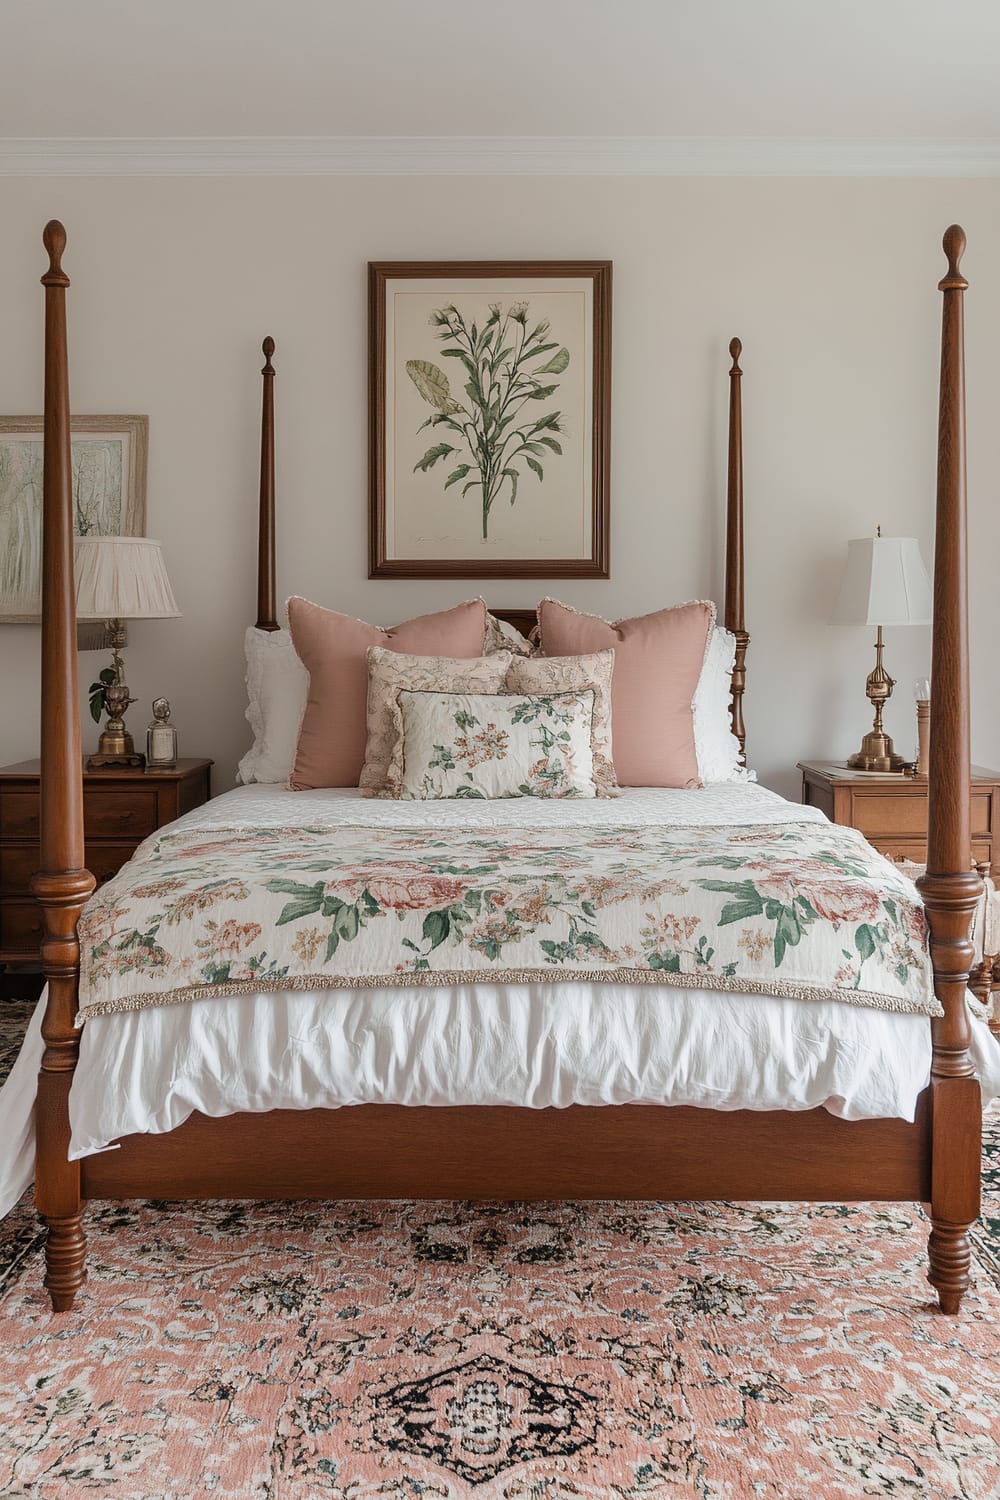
526, 1238
482, 1417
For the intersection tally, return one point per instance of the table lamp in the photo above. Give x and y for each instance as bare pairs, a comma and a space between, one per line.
884, 583
119, 578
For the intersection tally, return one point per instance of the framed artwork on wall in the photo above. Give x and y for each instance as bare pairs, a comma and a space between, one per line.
489, 419
109, 499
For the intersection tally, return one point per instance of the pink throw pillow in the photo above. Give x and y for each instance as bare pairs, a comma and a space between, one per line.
658, 660
332, 646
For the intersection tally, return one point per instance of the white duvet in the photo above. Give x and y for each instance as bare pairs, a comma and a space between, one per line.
535, 1045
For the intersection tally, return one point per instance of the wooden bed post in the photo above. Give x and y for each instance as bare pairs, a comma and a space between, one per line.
266, 591
951, 887
62, 885
734, 618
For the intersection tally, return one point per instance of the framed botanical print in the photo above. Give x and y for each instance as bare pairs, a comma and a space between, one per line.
108, 456
489, 419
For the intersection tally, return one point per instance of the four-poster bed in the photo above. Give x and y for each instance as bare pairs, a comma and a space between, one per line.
638, 1152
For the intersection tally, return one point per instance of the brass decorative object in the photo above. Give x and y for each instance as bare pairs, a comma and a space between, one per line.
115, 748
877, 753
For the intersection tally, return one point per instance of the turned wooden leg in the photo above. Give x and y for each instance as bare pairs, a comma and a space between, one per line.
956, 1125
65, 1260
950, 1257
57, 1191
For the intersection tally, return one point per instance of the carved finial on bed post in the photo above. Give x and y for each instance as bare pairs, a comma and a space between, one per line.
951, 887
266, 586
953, 245
734, 607
54, 240
62, 885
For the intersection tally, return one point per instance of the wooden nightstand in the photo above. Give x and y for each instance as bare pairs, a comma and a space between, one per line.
120, 809
891, 811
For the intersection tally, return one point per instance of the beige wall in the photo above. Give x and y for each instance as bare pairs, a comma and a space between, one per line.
829, 283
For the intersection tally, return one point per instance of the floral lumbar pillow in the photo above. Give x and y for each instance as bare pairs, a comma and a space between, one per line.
476, 745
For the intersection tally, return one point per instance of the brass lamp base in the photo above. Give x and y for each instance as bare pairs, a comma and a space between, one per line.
876, 754
115, 750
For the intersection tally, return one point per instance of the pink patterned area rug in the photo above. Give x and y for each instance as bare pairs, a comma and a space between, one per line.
549, 1352
543, 1352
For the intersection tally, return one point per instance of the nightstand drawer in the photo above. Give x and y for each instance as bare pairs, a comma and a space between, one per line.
21, 927
885, 815
108, 815
19, 815
18, 862
916, 850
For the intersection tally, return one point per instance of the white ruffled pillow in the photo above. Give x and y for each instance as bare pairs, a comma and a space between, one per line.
277, 685
717, 748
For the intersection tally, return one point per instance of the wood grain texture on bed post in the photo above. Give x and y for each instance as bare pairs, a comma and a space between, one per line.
62, 885
266, 585
734, 613
951, 887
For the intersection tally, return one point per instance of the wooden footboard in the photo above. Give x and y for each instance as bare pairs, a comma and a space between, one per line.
618, 1152
613, 1152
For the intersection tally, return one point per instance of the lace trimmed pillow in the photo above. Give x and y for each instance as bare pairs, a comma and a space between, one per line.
388, 671
473, 745
566, 674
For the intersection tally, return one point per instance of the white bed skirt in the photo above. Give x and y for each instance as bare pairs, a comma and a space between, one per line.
535, 1046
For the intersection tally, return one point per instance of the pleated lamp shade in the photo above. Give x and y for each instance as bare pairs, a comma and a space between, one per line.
885, 583
122, 578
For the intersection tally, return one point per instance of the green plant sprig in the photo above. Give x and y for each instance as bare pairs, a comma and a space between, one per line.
500, 361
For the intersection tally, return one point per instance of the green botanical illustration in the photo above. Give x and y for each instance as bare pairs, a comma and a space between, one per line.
507, 369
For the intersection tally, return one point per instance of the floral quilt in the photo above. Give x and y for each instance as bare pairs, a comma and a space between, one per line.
807, 910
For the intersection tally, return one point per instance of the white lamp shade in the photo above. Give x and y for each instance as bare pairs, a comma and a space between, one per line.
885, 583
122, 578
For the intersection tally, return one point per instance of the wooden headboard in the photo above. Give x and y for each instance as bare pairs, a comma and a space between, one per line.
525, 620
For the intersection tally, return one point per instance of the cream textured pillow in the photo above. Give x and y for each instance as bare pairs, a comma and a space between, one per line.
388, 672
561, 674
331, 646
466, 745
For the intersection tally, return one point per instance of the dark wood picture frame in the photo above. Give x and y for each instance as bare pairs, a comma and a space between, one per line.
597, 564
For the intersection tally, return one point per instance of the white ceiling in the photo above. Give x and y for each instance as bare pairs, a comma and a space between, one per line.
877, 71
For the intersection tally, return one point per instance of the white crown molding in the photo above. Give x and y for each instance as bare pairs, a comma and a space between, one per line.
479, 156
